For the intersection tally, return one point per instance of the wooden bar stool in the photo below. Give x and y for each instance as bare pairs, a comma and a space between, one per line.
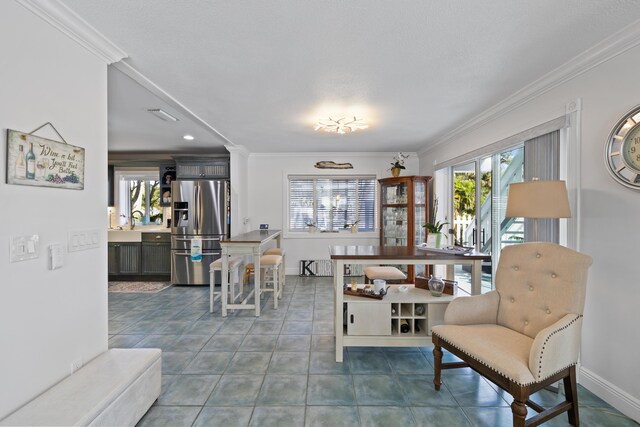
279, 251
249, 270
234, 264
386, 273
271, 264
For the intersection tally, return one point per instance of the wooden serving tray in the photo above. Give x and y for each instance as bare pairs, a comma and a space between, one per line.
361, 294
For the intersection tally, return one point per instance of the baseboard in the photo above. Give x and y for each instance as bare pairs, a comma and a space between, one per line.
614, 396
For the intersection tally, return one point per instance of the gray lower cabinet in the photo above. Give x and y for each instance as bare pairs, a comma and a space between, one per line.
151, 257
124, 258
156, 258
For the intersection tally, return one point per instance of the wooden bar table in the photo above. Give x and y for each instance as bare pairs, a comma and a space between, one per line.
250, 243
341, 255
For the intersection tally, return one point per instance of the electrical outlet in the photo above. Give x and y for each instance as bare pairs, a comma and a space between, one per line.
76, 364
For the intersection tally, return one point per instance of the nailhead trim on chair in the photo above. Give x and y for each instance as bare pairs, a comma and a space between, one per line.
540, 365
547, 340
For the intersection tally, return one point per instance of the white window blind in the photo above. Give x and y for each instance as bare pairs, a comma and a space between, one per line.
331, 203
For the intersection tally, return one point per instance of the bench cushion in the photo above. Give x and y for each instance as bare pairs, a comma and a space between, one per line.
386, 273
270, 260
274, 251
93, 394
234, 262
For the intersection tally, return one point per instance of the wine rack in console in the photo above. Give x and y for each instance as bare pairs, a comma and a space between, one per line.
400, 319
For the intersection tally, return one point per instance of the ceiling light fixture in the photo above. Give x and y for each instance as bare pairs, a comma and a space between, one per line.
342, 125
162, 115
188, 137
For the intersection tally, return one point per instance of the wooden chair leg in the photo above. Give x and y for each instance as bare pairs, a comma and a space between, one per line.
571, 393
519, 410
437, 363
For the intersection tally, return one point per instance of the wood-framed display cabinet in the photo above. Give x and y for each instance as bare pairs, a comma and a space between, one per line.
404, 203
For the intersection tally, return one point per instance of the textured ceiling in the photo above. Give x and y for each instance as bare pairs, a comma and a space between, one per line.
260, 72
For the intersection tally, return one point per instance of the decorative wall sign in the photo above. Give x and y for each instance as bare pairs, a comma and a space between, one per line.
332, 165
32, 160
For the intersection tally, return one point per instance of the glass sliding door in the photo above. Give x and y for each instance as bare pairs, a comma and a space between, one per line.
464, 203
480, 190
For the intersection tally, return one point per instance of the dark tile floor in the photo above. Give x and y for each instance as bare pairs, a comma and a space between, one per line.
279, 369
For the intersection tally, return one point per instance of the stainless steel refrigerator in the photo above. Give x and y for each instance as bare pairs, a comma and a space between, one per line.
200, 214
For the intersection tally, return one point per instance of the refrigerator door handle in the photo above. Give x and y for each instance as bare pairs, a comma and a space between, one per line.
196, 213
189, 253
202, 238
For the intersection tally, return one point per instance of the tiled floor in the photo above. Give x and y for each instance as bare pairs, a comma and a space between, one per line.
279, 369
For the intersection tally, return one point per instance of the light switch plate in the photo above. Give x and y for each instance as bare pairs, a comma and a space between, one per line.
56, 256
81, 240
24, 248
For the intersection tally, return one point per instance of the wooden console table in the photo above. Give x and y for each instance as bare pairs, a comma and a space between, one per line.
341, 255
250, 243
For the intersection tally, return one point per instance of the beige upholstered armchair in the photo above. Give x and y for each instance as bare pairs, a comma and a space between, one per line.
525, 335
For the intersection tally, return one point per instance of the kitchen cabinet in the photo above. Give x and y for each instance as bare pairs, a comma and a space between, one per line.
381, 322
203, 169
124, 258
403, 212
167, 176
140, 260
368, 318
156, 254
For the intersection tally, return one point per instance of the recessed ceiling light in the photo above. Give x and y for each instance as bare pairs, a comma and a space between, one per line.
162, 115
188, 137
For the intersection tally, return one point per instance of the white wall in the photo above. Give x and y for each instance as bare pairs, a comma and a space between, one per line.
267, 192
611, 337
239, 168
50, 318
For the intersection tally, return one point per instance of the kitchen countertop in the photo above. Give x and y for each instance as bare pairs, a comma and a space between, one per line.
134, 235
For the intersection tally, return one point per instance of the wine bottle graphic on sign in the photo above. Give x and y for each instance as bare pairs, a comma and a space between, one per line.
31, 163
21, 164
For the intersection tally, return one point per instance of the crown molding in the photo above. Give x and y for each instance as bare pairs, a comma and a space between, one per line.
336, 154
610, 47
70, 23
240, 149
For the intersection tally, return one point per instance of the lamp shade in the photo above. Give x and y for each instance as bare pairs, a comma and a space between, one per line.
538, 199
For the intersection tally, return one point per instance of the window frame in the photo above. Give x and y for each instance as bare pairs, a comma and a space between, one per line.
340, 233
128, 174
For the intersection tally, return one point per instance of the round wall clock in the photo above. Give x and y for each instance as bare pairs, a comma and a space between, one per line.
622, 151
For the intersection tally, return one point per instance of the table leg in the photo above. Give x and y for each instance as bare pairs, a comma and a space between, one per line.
256, 279
476, 277
338, 280
224, 283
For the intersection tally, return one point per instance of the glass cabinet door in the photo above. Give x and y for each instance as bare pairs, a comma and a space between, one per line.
403, 213
420, 211
394, 226
394, 214
395, 194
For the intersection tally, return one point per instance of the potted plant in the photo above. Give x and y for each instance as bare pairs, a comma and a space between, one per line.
434, 233
312, 227
354, 226
433, 230
398, 164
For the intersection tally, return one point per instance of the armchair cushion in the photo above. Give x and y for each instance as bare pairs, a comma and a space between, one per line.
473, 310
500, 349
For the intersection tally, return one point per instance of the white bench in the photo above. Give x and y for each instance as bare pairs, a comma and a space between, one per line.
114, 389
